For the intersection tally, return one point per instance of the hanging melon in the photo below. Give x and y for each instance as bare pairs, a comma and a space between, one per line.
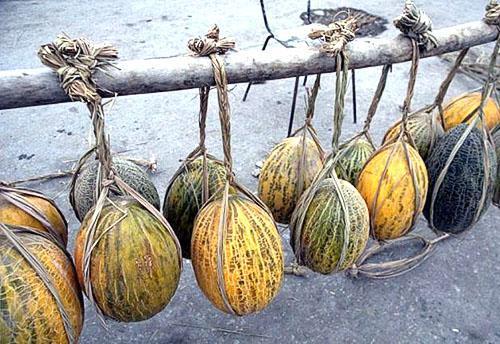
28, 208
134, 268
351, 158
330, 226
423, 128
83, 195
464, 109
241, 269
496, 140
28, 307
284, 177
394, 185
466, 186
184, 200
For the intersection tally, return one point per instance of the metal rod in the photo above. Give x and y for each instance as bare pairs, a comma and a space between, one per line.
30, 87
354, 104
294, 102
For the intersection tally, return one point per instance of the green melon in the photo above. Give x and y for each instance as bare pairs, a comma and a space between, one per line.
321, 241
496, 140
135, 266
83, 194
351, 158
424, 130
183, 199
458, 200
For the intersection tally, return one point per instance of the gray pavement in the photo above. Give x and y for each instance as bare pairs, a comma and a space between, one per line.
452, 298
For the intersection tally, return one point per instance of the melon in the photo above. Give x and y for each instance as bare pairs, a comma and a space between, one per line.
423, 128
28, 308
280, 184
394, 185
464, 109
47, 211
462, 197
496, 140
135, 266
335, 208
83, 195
183, 199
351, 158
249, 271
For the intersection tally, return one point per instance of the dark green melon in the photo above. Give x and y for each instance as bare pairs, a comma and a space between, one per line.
458, 200
183, 199
83, 192
322, 239
351, 158
496, 140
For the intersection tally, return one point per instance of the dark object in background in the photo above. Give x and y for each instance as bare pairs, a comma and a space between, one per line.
369, 24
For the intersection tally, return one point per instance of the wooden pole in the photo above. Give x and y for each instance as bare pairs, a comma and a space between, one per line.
30, 87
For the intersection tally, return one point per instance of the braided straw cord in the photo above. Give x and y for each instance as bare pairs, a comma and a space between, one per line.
417, 26
75, 61
212, 46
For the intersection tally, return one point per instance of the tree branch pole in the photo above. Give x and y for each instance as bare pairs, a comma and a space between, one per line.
31, 87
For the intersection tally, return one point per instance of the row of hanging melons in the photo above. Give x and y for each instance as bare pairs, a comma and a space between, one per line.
396, 183
135, 272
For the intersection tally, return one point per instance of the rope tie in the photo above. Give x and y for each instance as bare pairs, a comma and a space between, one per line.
336, 35
211, 43
492, 16
417, 25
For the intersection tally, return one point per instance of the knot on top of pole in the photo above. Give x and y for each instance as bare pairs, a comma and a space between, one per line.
75, 60
336, 35
211, 43
492, 16
416, 24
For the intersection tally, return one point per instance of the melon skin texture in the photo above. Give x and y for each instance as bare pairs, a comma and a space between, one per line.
351, 158
133, 175
322, 234
278, 180
14, 216
392, 213
252, 254
423, 129
29, 313
496, 193
459, 197
135, 267
183, 199
459, 108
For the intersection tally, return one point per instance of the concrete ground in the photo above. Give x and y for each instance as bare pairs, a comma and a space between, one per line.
452, 298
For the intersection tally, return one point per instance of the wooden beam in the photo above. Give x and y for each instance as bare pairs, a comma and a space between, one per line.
30, 87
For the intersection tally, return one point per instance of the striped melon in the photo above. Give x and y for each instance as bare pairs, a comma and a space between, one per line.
251, 256
135, 266
319, 243
496, 140
28, 310
183, 199
351, 158
83, 193
11, 214
393, 197
464, 108
279, 178
458, 204
423, 128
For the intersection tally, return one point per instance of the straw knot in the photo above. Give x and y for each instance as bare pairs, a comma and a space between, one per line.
416, 24
336, 35
211, 43
492, 16
75, 60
